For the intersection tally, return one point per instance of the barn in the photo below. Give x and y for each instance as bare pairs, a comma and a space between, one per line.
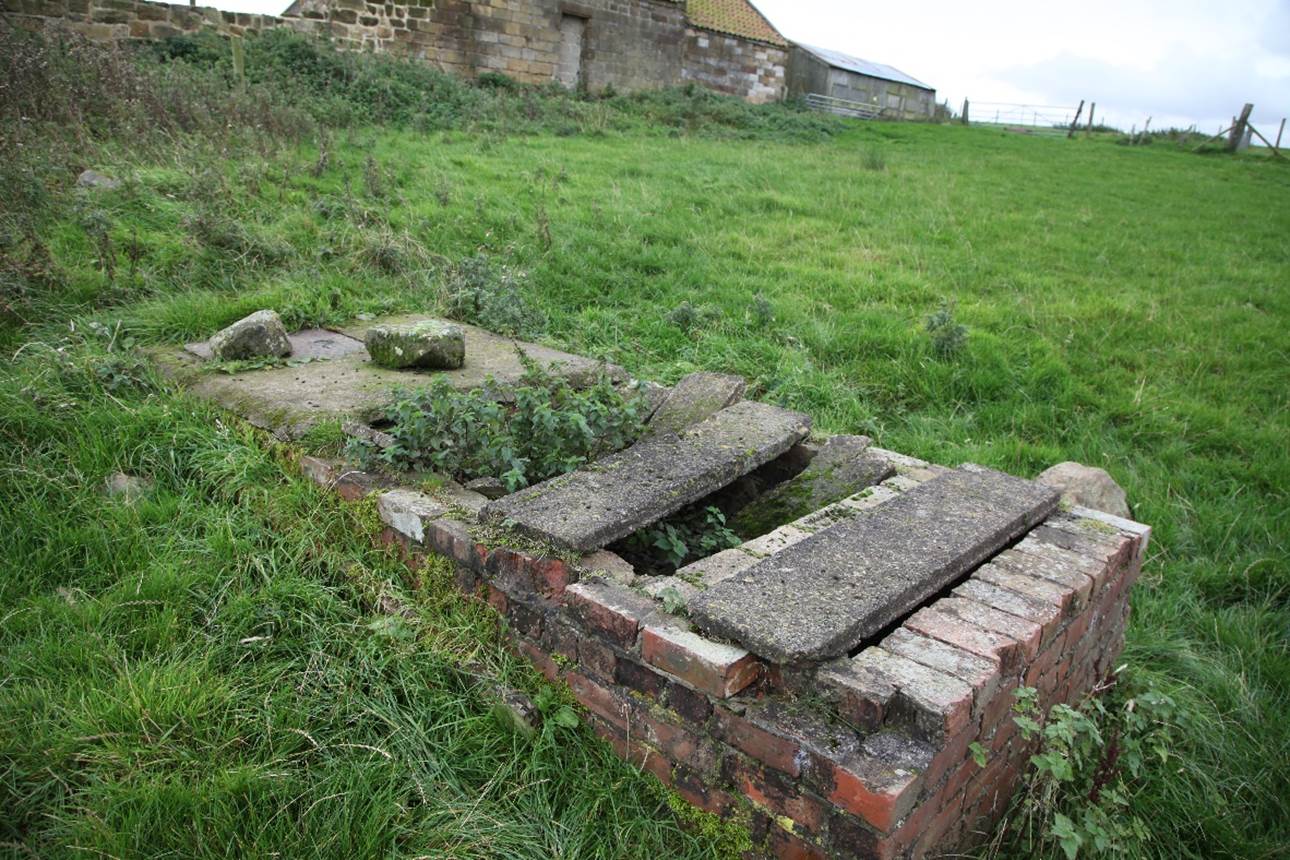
839, 82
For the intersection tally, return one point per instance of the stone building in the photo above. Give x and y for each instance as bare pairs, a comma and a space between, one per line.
726, 45
626, 45
887, 91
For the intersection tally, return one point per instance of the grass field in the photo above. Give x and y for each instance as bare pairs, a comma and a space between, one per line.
205, 672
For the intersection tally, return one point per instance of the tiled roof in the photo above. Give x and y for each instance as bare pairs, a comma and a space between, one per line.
736, 17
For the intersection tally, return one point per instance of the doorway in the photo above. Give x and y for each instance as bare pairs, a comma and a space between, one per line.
573, 34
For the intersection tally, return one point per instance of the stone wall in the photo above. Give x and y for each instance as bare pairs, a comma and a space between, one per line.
123, 20
864, 756
754, 71
628, 44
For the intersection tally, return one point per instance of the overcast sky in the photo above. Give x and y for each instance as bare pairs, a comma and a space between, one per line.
1178, 61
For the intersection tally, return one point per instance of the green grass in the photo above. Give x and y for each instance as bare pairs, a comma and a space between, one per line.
199, 674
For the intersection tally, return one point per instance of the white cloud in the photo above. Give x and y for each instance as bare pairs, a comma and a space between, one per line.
1180, 61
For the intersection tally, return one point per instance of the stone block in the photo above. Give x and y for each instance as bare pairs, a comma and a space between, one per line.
618, 494
825, 594
407, 511
695, 398
1088, 486
429, 344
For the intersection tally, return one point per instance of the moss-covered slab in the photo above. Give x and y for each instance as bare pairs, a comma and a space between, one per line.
426, 345
823, 595
329, 376
695, 398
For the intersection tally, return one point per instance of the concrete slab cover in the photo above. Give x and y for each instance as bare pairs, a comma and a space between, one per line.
694, 398
822, 596
623, 492
338, 381
310, 343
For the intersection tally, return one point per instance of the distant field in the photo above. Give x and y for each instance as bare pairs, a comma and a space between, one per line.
204, 673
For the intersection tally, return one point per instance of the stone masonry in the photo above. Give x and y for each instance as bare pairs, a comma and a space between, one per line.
626, 44
824, 681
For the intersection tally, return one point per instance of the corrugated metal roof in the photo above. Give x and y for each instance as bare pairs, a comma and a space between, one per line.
839, 60
736, 17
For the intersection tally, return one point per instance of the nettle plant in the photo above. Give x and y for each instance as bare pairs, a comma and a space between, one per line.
1076, 798
693, 533
547, 429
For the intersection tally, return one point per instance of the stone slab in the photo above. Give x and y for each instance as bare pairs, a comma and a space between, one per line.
314, 344
340, 383
823, 596
696, 397
618, 494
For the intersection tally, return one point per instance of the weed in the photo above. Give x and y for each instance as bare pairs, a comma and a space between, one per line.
1076, 797
874, 159
492, 296
688, 318
374, 180
693, 533
548, 428
948, 337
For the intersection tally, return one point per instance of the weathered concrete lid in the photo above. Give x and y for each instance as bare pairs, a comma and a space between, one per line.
821, 596
338, 380
617, 495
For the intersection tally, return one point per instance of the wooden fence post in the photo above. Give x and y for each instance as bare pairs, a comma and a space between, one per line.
1281, 129
1238, 128
1075, 122
964, 118
1091, 109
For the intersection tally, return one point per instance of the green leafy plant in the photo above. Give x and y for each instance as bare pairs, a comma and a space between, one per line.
693, 533
556, 713
491, 296
947, 335
546, 429
1076, 797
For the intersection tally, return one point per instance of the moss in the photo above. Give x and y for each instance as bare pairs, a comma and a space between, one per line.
730, 837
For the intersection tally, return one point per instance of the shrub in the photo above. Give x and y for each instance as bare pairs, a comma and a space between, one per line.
1076, 795
693, 533
948, 337
491, 296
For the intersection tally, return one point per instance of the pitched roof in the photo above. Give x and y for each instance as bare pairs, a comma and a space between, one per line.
735, 17
839, 60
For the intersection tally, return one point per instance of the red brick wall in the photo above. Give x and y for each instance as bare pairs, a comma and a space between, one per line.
874, 762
